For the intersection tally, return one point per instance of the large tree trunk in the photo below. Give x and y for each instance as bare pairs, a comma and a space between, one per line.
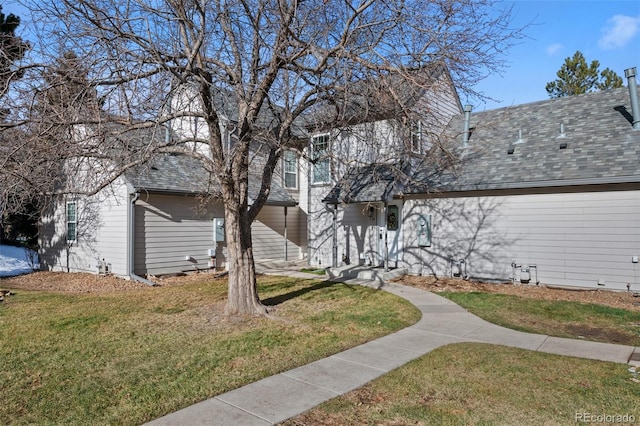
243, 292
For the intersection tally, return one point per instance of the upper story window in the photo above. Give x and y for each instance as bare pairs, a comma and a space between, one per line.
72, 222
416, 136
320, 156
290, 169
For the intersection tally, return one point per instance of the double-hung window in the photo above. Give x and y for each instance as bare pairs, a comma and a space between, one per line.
290, 169
321, 172
72, 222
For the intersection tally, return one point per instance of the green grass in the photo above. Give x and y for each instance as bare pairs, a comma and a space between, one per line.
480, 384
126, 358
317, 271
555, 318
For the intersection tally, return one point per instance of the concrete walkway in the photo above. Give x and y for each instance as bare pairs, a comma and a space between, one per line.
279, 397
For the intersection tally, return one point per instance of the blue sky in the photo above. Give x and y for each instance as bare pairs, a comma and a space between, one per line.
606, 31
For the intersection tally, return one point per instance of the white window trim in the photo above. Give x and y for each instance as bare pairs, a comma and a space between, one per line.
286, 161
326, 160
74, 221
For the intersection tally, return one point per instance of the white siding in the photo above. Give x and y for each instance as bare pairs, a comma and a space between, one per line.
379, 141
101, 230
574, 239
320, 228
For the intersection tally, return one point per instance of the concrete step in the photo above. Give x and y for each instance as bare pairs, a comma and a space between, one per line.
280, 264
365, 273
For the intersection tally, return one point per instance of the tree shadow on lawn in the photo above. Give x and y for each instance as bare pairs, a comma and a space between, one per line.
276, 300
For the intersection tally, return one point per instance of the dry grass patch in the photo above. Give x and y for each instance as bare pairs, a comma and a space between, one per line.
598, 315
615, 299
91, 352
483, 384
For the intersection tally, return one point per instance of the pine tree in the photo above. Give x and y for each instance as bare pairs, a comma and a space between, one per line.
12, 49
576, 77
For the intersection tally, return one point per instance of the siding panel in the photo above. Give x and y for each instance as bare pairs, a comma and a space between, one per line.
169, 229
102, 233
574, 239
268, 230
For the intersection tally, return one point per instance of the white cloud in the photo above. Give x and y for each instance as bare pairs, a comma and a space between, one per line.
554, 48
619, 30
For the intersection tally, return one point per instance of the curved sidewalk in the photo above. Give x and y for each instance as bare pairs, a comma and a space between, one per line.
279, 397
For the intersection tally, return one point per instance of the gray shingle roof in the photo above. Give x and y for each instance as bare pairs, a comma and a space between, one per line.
373, 182
181, 174
599, 146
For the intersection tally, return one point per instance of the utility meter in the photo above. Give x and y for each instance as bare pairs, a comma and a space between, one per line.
218, 229
424, 230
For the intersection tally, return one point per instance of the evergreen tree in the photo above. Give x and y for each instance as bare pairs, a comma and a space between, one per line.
67, 95
576, 77
12, 49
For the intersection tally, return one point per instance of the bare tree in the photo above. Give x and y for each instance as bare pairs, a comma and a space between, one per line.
276, 62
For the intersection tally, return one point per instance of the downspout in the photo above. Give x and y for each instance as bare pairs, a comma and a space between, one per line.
335, 236
286, 251
386, 241
308, 171
630, 74
131, 242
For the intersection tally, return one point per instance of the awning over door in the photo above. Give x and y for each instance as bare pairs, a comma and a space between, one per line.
370, 183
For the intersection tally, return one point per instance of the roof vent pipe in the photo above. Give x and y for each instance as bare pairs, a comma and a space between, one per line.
630, 73
467, 125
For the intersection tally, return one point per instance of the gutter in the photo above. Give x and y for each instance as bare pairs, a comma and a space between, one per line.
131, 240
565, 183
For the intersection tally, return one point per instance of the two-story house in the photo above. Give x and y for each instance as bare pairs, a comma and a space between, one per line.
163, 216
546, 192
154, 220
389, 128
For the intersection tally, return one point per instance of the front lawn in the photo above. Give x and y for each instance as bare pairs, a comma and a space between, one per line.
575, 320
131, 356
481, 384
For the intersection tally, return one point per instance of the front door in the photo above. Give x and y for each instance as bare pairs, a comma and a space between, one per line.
389, 233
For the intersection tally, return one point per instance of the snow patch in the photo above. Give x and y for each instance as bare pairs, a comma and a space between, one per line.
17, 261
